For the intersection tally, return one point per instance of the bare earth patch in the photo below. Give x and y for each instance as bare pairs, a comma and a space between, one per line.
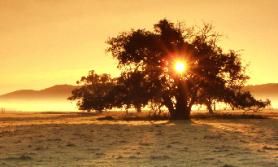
74, 139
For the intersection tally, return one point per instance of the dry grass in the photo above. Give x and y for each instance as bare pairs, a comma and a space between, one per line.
107, 139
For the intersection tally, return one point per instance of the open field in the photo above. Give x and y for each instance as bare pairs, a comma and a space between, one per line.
76, 139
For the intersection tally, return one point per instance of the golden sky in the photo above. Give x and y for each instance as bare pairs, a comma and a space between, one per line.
47, 42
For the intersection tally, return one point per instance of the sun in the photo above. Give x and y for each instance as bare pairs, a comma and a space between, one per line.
180, 66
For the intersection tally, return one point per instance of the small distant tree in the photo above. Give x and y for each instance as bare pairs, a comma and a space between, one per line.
3, 110
93, 92
146, 60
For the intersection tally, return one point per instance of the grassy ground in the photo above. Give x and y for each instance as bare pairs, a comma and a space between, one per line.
116, 139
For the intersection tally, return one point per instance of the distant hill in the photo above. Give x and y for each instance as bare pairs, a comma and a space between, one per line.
57, 92
264, 91
64, 91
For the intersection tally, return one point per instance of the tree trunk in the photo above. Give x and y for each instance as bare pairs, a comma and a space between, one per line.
210, 110
169, 104
138, 108
208, 103
182, 111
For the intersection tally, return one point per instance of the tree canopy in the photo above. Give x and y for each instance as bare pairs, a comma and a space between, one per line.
147, 62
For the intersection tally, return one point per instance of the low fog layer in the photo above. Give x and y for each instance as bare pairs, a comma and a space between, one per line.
55, 98
38, 105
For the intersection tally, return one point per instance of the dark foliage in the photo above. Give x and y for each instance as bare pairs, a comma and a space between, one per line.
94, 92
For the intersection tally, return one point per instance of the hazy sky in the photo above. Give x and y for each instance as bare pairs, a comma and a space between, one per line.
47, 42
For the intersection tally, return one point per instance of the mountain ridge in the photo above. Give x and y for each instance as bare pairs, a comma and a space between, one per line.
63, 91
53, 92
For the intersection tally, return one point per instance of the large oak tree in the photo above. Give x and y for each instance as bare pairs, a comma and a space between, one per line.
147, 63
